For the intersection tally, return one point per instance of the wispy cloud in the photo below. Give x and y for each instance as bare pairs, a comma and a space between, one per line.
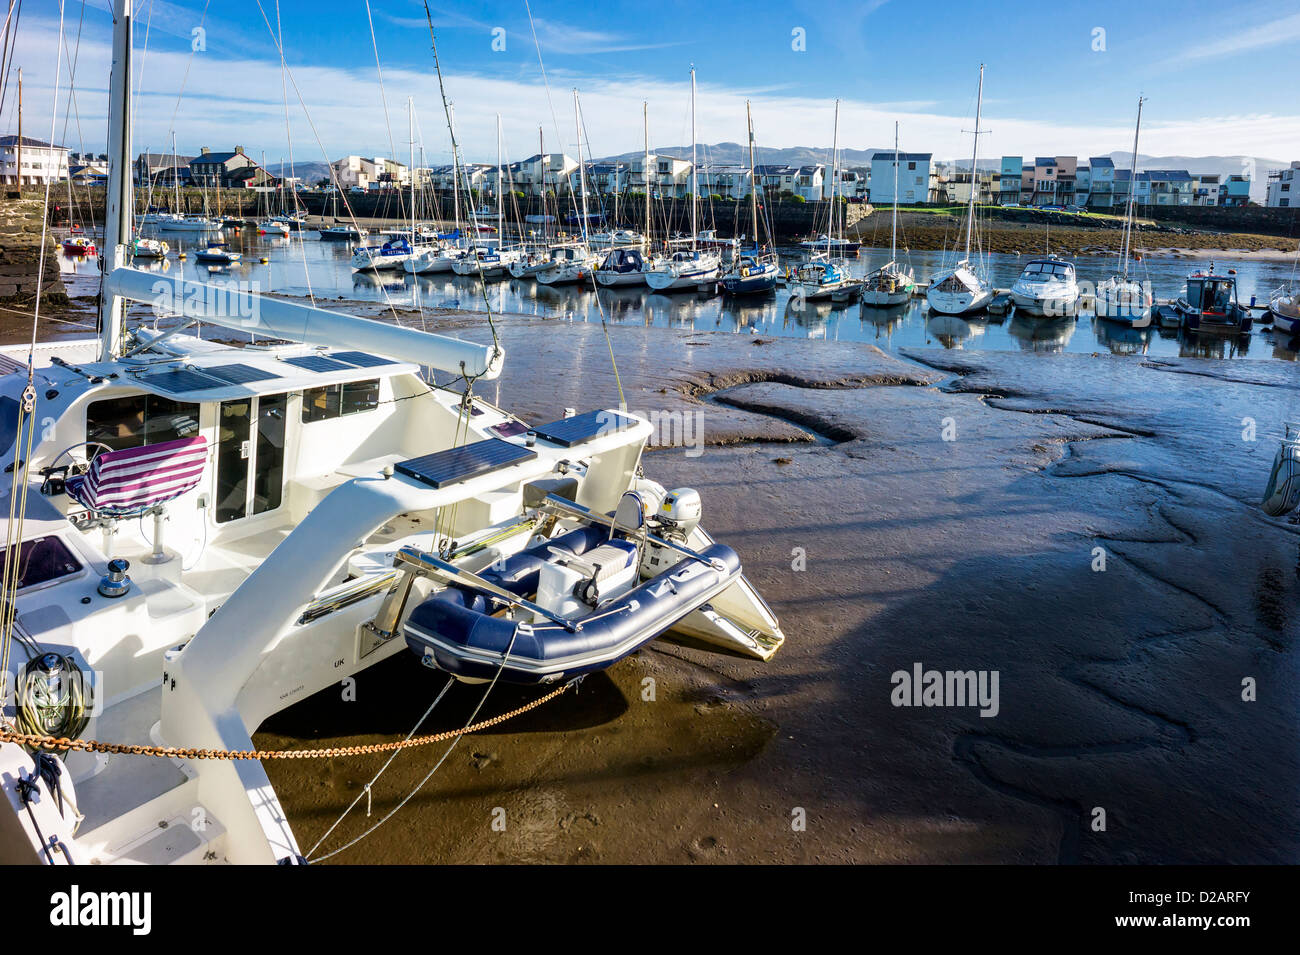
565, 38
1273, 33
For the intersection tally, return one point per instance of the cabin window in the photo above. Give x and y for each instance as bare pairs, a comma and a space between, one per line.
44, 559
134, 421
332, 401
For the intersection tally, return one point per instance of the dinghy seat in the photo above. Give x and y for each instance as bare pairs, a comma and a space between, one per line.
584, 576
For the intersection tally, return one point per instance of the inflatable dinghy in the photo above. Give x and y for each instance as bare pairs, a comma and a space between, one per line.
566, 606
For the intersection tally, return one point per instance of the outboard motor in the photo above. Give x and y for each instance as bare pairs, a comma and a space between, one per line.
677, 516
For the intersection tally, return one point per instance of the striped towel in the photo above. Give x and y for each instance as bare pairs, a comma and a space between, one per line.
133, 480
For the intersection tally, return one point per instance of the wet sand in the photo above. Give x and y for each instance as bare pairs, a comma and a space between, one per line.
1119, 689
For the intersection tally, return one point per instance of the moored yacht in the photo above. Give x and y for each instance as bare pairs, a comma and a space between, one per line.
1046, 287
623, 267
891, 284
1121, 298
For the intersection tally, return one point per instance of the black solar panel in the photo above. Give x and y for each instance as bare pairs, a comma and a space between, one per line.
317, 363
570, 431
360, 359
239, 374
444, 468
182, 379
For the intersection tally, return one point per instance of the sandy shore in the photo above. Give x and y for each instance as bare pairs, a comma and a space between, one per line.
1120, 689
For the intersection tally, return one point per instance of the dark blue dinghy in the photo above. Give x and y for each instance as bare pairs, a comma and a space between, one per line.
599, 613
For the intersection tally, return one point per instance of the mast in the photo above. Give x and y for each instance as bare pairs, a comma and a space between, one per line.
176, 183
582, 178
753, 195
117, 219
645, 169
835, 162
410, 125
18, 169
893, 232
500, 220
974, 159
1126, 238
695, 172
455, 170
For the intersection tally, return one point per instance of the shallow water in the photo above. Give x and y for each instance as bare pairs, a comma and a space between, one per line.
311, 266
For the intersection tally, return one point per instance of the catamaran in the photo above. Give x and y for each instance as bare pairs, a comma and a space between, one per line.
891, 284
961, 289
316, 507
1120, 298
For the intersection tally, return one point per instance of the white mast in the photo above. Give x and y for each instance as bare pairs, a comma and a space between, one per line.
974, 161
893, 232
753, 195
695, 171
176, 183
500, 220
582, 178
645, 169
410, 125
1126, 238
455, 170
835, 163
117, 220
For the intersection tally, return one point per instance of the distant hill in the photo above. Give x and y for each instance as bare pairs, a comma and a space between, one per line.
309, 172
763, 155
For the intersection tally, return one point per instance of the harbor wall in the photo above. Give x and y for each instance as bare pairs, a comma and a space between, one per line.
20, 253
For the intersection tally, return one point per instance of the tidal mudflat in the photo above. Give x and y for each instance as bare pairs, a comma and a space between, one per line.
1083, 527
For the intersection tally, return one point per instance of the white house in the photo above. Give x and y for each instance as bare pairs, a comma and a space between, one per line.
729, 180
41, 162
666, 177
913, 178
1282, 191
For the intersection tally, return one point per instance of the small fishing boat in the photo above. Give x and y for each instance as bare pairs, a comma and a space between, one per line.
1210, 304
79, 245
820, 281
380, 258
142, 248
217, 254
623, 267
1046, 287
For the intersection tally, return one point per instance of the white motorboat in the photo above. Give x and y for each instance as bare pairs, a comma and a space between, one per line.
190, 224
217, 254
1121, 298
274, 226
1047, 287
317, 508
962, 289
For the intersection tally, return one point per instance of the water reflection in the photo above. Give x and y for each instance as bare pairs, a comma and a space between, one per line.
1045, 335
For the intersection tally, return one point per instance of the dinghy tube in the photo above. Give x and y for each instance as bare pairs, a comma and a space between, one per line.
455, 630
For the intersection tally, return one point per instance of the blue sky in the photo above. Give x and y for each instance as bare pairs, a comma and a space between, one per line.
1220, 80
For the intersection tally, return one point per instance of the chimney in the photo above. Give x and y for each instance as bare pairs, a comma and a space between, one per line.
239, 150
204, 150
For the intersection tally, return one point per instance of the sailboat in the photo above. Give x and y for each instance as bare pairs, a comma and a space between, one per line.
891, 284
489, 259
1284, 302
691, 268
178, 222
961, 289
757, 269
1120, 298
318, 507
823, 277
629, 266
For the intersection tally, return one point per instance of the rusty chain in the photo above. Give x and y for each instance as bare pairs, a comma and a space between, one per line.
63, 744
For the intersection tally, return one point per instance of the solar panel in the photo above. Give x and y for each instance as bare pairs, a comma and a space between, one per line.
360, 359
317, 363
570, 431
182, 379
444, 468
239, 374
